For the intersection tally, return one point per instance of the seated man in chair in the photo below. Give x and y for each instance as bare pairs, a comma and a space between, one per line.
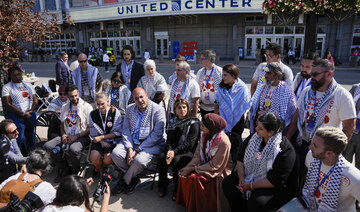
143, 135
74, 133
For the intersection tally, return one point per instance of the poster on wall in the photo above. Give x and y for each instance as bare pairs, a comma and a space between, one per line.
188, 50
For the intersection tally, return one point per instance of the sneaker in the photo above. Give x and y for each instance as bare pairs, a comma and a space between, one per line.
130, 188
119, 188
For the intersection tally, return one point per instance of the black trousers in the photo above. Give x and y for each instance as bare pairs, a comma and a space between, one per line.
260, 200
178, 162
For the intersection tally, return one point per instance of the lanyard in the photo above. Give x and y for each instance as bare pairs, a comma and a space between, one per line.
303, 83
114, 95
71, 113
104, 121
315, 104
82, 75
207, 81
327, 175
12, 145
128, 69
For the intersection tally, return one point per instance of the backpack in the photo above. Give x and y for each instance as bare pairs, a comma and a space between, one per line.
18, 187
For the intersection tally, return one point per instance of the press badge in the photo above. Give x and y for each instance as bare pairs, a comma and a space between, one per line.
310, 126
86, 91
207, 98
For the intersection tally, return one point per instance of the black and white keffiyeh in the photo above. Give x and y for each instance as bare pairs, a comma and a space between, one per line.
320, 110
256, 168
329, 202
185, 92
282, 103
144, 130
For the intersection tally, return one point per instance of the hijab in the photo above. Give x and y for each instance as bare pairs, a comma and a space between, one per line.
214, 123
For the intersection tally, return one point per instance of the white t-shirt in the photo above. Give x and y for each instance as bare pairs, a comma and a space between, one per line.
106, 58
259, 74
14, 89
350, 185
193, 89
340, 108
44, 190
208, 87
69, 208
70, 119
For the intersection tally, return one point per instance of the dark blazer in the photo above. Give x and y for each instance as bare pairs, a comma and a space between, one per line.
62, 73
137, 72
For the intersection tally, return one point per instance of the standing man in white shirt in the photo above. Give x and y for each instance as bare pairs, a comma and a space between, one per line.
209, 78
106, 60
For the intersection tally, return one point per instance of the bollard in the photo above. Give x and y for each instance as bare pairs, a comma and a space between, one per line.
236, 60
217, 59
161, 58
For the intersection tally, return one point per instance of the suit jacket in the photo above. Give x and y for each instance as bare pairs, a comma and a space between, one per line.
352, 91
137, 72
62, 73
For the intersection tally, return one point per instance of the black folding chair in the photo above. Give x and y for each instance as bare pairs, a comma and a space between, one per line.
51, 120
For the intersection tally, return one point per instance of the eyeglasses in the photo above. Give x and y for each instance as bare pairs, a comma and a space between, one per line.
315, 74
13, 132
117, 81
269, 56
203, 58
83, 61
62, 94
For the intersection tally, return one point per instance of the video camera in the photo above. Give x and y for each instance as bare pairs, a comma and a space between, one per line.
99, 192
30, 203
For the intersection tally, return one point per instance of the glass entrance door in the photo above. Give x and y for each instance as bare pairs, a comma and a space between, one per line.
162, 47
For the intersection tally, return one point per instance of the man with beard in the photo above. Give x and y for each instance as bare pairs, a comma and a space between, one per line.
303, 78
143, 137
74, 134
332, 183
273, 54
275, 96
324, 103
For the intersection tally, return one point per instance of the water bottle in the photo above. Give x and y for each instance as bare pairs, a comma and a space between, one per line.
65, 147
56, 149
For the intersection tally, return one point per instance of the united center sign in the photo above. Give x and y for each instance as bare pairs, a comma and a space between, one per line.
160, 8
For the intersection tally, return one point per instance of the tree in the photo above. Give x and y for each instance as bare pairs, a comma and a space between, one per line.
288, 10
19, 23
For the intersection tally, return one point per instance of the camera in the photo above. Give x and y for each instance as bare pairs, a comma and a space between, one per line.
30, 203
99, 192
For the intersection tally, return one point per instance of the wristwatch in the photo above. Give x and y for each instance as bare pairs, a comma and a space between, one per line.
137, 150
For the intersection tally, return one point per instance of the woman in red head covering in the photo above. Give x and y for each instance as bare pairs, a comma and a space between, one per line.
199, 186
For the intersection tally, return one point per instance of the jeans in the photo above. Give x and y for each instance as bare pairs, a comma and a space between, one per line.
26, 129
106, 64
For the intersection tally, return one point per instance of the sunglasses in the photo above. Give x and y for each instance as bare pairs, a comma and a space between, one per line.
83, 61
269, 56
315, 74
117, 81
13, 132
62, 94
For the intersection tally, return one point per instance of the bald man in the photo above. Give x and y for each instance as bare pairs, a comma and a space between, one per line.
87, 78
143, 137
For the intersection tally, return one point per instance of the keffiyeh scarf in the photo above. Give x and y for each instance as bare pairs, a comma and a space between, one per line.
257, 163
18, 96
185, 92
211, 146
184, 124
126, 72
233, 103
320, 110
282, 103
144, 130
330, 200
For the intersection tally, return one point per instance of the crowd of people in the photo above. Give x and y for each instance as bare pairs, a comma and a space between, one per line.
196, 130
